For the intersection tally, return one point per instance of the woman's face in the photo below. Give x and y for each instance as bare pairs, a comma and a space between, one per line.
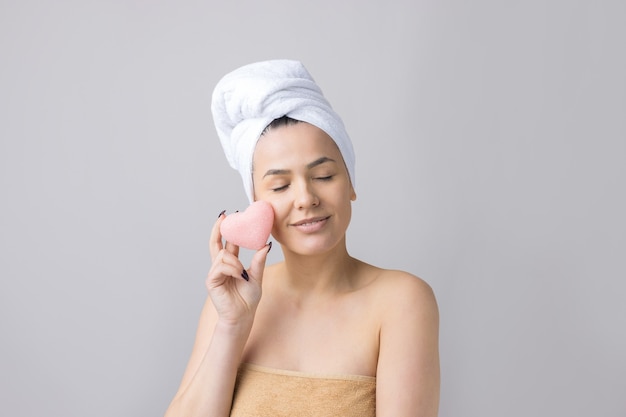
299, 170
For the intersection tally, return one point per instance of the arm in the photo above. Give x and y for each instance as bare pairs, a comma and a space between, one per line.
408, 365
207, 385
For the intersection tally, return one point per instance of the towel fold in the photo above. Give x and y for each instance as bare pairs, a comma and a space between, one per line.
246, 100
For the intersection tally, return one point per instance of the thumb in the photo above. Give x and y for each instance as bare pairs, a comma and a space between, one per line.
257, 263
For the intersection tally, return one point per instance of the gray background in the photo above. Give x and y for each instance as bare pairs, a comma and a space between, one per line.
490, 140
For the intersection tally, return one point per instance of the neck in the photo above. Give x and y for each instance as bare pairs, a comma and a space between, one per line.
328, 272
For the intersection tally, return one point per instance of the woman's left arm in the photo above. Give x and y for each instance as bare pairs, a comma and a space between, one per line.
407, 377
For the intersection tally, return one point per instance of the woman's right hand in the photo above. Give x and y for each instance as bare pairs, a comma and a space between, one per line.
235, 298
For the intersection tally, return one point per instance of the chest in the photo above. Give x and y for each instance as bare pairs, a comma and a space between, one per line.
338, 337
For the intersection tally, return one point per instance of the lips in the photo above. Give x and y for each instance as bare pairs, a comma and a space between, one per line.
310, 222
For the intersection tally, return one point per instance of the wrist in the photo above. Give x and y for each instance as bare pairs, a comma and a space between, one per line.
234, 328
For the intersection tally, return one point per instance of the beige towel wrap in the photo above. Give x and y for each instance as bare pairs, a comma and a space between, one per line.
265, 392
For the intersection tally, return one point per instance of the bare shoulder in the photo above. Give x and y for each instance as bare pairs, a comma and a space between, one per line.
407, 373
399, 290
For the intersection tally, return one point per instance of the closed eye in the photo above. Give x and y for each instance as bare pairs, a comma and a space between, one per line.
327, 178
281, 188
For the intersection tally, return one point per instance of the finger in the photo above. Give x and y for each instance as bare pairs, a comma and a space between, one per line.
215, 241
232, 248
224, 266
257, 263
230, 259
222, 273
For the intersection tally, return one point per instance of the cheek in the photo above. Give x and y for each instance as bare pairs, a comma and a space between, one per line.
280, 221
280, 211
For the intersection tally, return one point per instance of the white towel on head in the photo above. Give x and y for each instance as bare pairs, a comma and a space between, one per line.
249, 98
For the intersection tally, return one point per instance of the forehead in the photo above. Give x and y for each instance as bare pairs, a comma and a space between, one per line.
293, 144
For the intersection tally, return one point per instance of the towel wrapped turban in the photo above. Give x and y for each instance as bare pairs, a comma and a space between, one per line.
246, 100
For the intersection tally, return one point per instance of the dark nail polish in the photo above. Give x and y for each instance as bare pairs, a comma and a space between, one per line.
270, 247
221, 213
245, 275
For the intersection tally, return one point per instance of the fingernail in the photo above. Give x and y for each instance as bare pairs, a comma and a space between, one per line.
245, 275
221, 213
270, 246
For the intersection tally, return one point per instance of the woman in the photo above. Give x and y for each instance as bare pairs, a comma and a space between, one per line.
321, 333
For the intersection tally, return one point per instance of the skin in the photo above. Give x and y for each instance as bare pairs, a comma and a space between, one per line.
382, 323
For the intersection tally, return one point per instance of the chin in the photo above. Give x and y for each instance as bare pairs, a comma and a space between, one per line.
311, 245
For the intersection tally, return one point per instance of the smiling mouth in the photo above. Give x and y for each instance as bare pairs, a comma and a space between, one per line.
310, 222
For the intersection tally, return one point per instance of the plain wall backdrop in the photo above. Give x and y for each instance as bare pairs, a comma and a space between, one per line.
490, 140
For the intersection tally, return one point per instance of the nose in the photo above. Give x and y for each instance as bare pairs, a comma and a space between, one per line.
305, 196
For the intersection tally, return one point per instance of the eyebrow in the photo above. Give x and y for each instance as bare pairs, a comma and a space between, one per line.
310, 165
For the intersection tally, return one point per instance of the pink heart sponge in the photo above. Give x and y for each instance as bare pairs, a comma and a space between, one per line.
250, 228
